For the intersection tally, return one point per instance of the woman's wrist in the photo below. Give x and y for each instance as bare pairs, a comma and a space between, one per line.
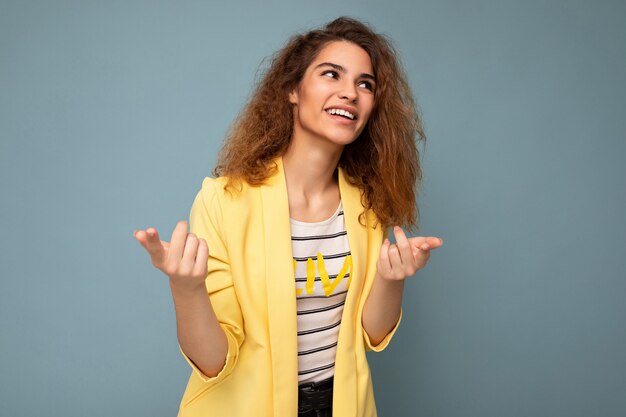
388, 284
187, 289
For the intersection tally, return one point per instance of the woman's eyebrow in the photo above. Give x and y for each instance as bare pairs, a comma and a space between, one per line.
342, 69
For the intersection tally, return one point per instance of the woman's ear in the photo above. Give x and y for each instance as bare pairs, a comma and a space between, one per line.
293, 96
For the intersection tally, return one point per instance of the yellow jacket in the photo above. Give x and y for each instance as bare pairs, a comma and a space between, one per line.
252, 289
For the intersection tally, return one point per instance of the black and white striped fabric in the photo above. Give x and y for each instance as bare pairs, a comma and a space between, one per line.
322, 265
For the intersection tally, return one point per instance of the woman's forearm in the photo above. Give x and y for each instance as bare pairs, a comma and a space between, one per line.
200, 335
382, 308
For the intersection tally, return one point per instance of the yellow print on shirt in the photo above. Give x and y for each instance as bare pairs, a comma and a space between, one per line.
328, 285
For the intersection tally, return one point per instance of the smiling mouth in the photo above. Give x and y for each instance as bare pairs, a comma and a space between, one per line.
343, 113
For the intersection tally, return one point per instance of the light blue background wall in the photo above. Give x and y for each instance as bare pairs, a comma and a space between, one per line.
111, 114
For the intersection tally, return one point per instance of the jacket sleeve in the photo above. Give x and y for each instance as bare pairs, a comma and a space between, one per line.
383, 343
206, 222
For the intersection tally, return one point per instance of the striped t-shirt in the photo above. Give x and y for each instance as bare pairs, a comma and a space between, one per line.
322, 265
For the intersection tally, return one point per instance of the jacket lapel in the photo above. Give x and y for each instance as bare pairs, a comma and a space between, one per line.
345, 370
281, 292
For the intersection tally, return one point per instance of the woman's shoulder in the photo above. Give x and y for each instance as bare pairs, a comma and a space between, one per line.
221, 202
225, 189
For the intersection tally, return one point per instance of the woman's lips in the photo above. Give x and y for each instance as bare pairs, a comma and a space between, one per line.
341, 119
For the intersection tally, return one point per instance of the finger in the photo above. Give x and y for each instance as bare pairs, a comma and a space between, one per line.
434, 242
200, 267
149, 239
425, 243
140, 236
397, 270
417, 241
431, 242
153, 241
404, 247
177, 244
422, 258
383, 265
189, 255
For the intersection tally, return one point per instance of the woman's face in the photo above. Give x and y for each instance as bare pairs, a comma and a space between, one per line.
335, 97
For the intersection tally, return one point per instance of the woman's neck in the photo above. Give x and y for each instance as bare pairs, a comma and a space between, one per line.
312, 182
310, 171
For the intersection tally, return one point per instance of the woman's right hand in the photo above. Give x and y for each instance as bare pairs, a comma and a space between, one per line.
184, 260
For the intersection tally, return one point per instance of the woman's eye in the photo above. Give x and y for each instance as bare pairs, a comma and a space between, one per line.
330, 74
367, 85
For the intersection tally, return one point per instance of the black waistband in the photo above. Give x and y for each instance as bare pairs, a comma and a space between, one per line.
315, 395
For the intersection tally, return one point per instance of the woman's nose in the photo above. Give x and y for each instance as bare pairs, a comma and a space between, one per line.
348, 92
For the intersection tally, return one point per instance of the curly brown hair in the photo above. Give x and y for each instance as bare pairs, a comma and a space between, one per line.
383, 161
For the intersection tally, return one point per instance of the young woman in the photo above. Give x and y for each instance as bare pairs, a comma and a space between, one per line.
288, 240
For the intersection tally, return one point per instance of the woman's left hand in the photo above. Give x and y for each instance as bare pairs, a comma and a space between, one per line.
401, 260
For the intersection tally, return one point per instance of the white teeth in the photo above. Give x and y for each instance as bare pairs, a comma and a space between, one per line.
340, 112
